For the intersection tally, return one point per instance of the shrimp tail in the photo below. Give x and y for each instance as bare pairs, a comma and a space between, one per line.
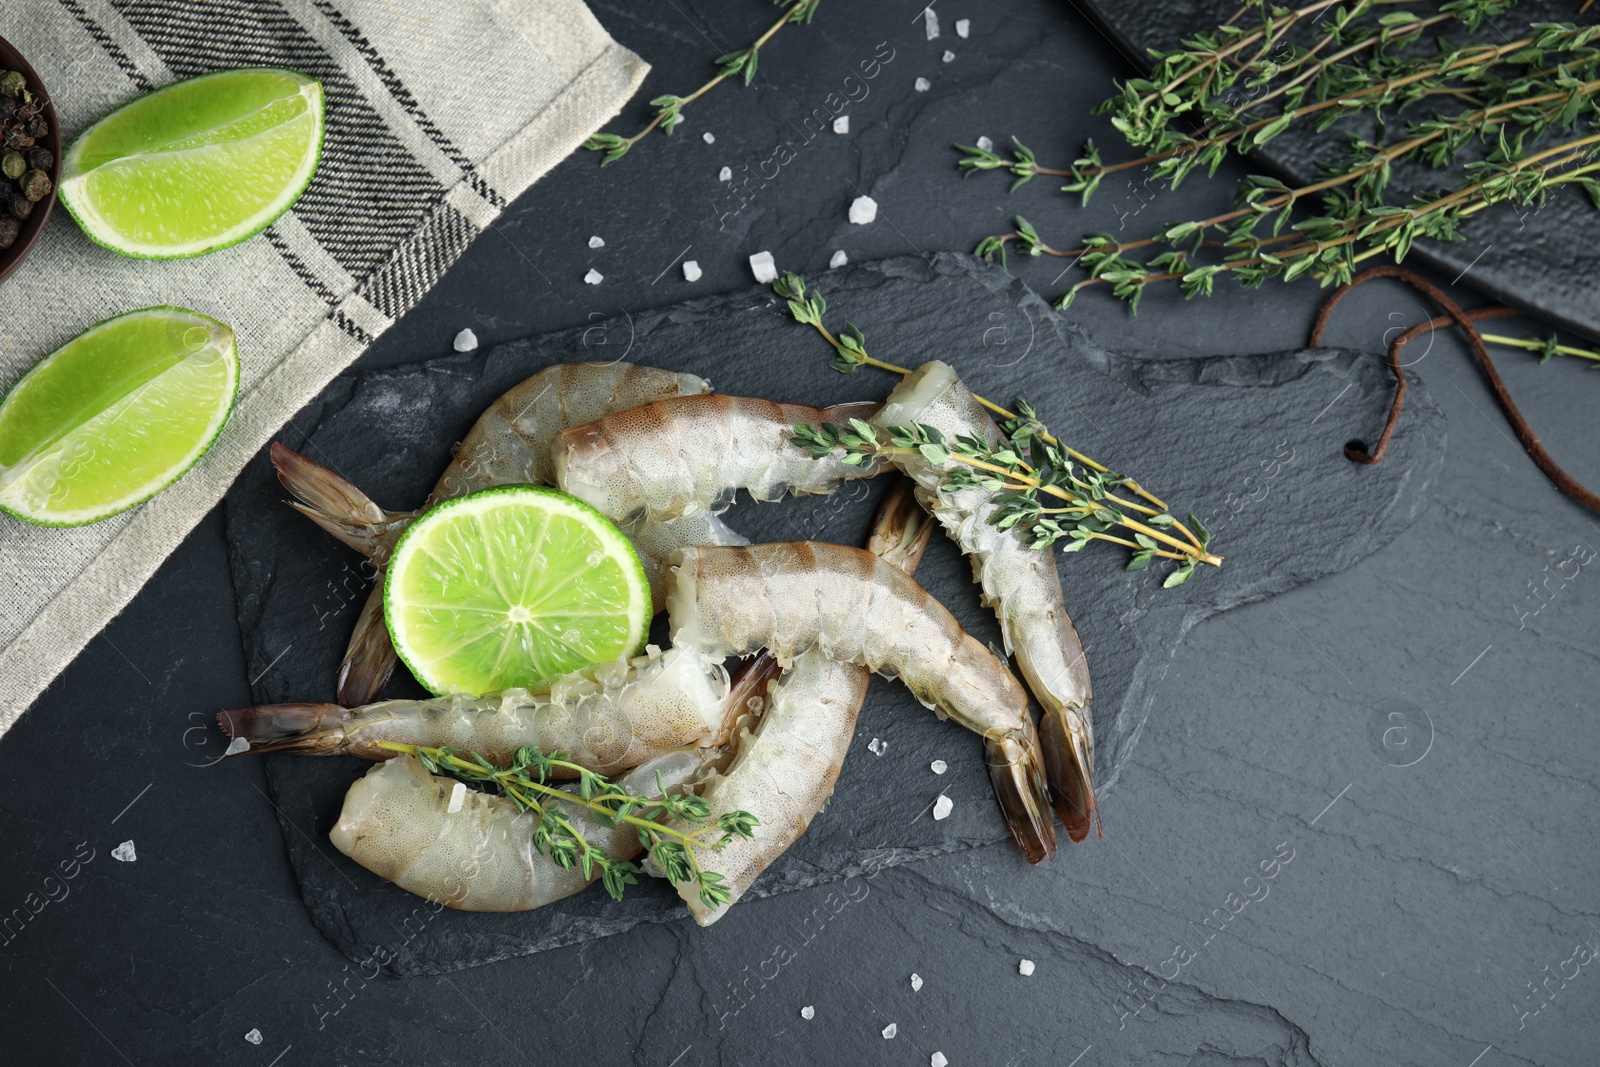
1019, 783
370, 657
336, 505
1069, 763
307, 729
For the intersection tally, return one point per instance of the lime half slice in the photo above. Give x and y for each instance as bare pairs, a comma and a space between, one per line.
197, 165
115, 415
511, 587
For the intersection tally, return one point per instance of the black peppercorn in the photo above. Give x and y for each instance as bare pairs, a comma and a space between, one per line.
21, 207
12, 83
35, 185
13, 165
8, 107
29, 107
9, 228
41, 159
15, 138
38, 128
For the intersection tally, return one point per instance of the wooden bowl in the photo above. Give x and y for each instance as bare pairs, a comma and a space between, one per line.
33, 226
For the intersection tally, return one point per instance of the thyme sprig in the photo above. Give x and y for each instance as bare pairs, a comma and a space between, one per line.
526, 783
1548, 348
1086, 504
1505, 97
669, 108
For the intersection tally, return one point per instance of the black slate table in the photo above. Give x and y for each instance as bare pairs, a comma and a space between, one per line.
1406, 746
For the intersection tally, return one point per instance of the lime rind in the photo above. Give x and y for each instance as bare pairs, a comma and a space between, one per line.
100, 232
9, 481
511, 575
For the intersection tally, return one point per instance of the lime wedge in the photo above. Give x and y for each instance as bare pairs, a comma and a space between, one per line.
510, 587
115, 415
197, 165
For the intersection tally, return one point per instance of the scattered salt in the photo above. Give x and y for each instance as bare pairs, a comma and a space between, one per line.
877, 746
948, 55
963, 26
808, 1012
594, 277
1025, 968
942, 807
236, 746
930, 20
691, 271
458, 797
708, 137
986, 144
841, 124
725, 174
922, 85
763, 268
863, 209
938, 1060
597, 242
124, 852
465, 341
889, 1031
938, 766
838, 260
254, 1037
916, 982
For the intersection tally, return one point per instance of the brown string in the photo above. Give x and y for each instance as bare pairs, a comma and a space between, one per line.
1453, 315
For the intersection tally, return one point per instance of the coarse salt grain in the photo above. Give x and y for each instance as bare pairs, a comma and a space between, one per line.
986, 144
762, 266
877, 747
922, 85
889, 1031
124, 852
838, 260
465, 341
236, 746
942, 807
458, 797
1025, 968
691, 271
863, 209
948, 55
708, 137
963, 26
841, 124
808, 1012
597, 241
594, 277
930, 21
938, 766
916, 982
254, 1037
938, 1060
725, 174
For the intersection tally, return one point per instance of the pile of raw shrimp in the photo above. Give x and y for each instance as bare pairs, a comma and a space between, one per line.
661, 455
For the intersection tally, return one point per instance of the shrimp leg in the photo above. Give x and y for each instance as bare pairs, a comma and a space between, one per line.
606, 719
785, 771
1019, 583
509, 443
856, 608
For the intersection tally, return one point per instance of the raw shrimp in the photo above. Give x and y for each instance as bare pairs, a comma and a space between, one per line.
1019, 583
785, 771
795, 596
509, 443
691, 454
397, 823
606, 719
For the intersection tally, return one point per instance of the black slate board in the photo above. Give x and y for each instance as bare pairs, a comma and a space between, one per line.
1543, 261
1252, 444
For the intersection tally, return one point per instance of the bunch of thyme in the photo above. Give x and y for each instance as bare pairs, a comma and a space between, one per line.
669, 108
1240, 89
1044, 489
526, 783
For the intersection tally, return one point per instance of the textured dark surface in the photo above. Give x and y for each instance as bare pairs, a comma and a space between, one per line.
1301, 511
1540, 259
1407, 929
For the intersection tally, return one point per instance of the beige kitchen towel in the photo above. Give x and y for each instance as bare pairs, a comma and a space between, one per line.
440, 112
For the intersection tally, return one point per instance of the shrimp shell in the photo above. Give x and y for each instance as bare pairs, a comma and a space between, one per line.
397, 824
794, 596
607, 719
1020, 583
693, 453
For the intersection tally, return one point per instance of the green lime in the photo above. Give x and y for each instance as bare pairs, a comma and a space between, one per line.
197, 165
510, 587
115, 415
